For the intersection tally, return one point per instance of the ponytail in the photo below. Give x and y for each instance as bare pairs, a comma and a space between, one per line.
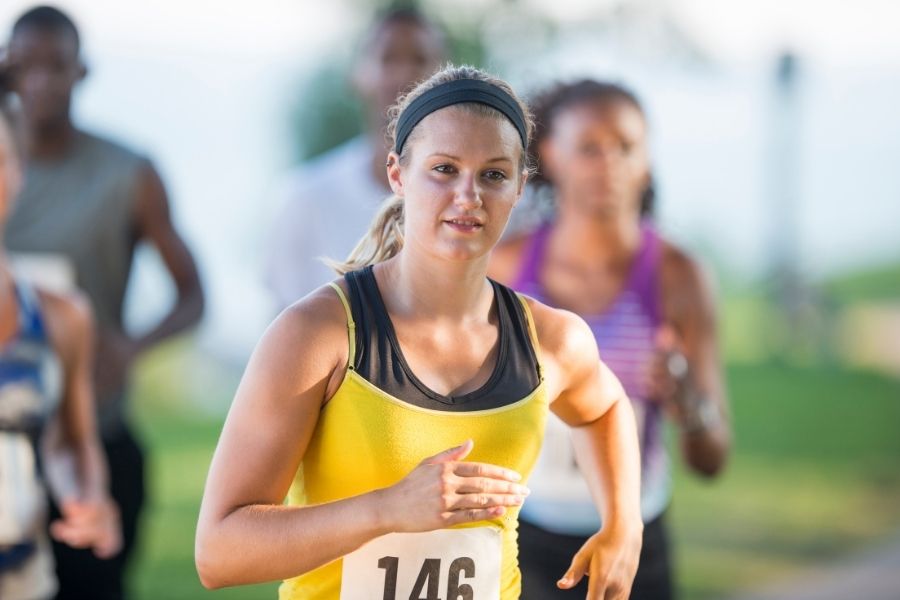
383, 240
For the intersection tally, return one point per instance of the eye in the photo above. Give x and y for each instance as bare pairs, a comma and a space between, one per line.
495, 175
445, 169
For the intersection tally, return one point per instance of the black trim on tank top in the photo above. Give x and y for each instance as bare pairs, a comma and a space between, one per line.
380, 361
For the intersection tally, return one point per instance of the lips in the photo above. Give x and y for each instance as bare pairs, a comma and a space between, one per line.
464, 224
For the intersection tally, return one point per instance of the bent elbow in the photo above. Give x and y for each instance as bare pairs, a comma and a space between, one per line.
205, 571
207, 563
206, 582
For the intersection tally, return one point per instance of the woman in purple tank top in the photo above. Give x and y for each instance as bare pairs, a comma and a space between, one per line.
651, 311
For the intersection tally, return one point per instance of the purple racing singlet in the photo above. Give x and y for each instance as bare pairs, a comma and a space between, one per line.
625, 332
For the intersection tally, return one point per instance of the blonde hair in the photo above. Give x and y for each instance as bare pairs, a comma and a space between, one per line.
384, 239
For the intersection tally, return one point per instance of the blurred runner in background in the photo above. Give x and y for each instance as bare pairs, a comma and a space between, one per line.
85, 204
328, 203
48, 435
651, 311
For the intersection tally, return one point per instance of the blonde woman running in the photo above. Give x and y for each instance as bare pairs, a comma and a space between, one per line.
404, 453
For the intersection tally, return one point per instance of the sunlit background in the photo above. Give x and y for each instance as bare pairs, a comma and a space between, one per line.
775, 129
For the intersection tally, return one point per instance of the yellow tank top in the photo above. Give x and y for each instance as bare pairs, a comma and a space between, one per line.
366, 439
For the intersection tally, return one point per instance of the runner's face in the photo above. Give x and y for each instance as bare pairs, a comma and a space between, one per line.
596, 155
399, 55
461, 178
46, 68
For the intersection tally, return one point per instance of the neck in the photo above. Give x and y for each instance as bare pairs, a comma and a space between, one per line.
420, 285
596, 238
51, 139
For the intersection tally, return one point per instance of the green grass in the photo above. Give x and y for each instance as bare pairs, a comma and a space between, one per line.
182, 451
814, 476
180, 401
875, 284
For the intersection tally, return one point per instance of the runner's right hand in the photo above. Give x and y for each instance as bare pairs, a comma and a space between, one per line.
443, 491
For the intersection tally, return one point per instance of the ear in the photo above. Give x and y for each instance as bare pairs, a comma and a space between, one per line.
82, 71
394, 174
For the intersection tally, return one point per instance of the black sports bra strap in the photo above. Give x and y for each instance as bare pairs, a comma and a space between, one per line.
380, 360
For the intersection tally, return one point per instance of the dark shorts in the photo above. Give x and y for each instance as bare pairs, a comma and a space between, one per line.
544, 557
82, 575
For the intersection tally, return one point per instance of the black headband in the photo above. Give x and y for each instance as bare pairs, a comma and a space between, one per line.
459, 91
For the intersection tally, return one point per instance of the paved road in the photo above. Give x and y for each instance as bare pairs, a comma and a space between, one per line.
872, 575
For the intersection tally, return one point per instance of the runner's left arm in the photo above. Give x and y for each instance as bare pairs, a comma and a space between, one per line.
90, 518
589, 398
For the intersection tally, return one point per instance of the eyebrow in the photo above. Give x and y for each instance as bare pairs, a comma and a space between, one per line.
450, 156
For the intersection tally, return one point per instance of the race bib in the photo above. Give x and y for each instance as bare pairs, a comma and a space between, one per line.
49, 270
448, 564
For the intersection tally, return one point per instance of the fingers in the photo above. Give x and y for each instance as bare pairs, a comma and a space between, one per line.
109, 545
78, 515
485, 485
88, 524
467, 501
616, 593
451, 454
597, 589
77, 536
72, 508
476, 469
457, 491
579, 567
106, 541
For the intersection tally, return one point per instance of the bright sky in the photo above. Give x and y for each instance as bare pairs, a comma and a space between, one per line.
203, 86
835, 31
838, 32
258, 28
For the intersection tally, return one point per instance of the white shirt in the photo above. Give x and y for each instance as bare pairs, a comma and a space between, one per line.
327, 206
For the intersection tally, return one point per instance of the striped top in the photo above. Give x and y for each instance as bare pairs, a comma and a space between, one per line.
28, 397
625, 334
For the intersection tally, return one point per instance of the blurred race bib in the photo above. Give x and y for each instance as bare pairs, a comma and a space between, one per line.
51, 271
448, 564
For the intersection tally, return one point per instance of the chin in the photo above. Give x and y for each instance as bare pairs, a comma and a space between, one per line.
463, 252
603, 208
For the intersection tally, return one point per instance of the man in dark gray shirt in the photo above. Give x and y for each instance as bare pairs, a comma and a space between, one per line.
86, 204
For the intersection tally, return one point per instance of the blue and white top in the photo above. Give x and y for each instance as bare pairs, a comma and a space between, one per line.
29, 396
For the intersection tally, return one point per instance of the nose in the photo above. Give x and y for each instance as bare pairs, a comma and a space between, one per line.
467, 194
608, 156
37, 81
